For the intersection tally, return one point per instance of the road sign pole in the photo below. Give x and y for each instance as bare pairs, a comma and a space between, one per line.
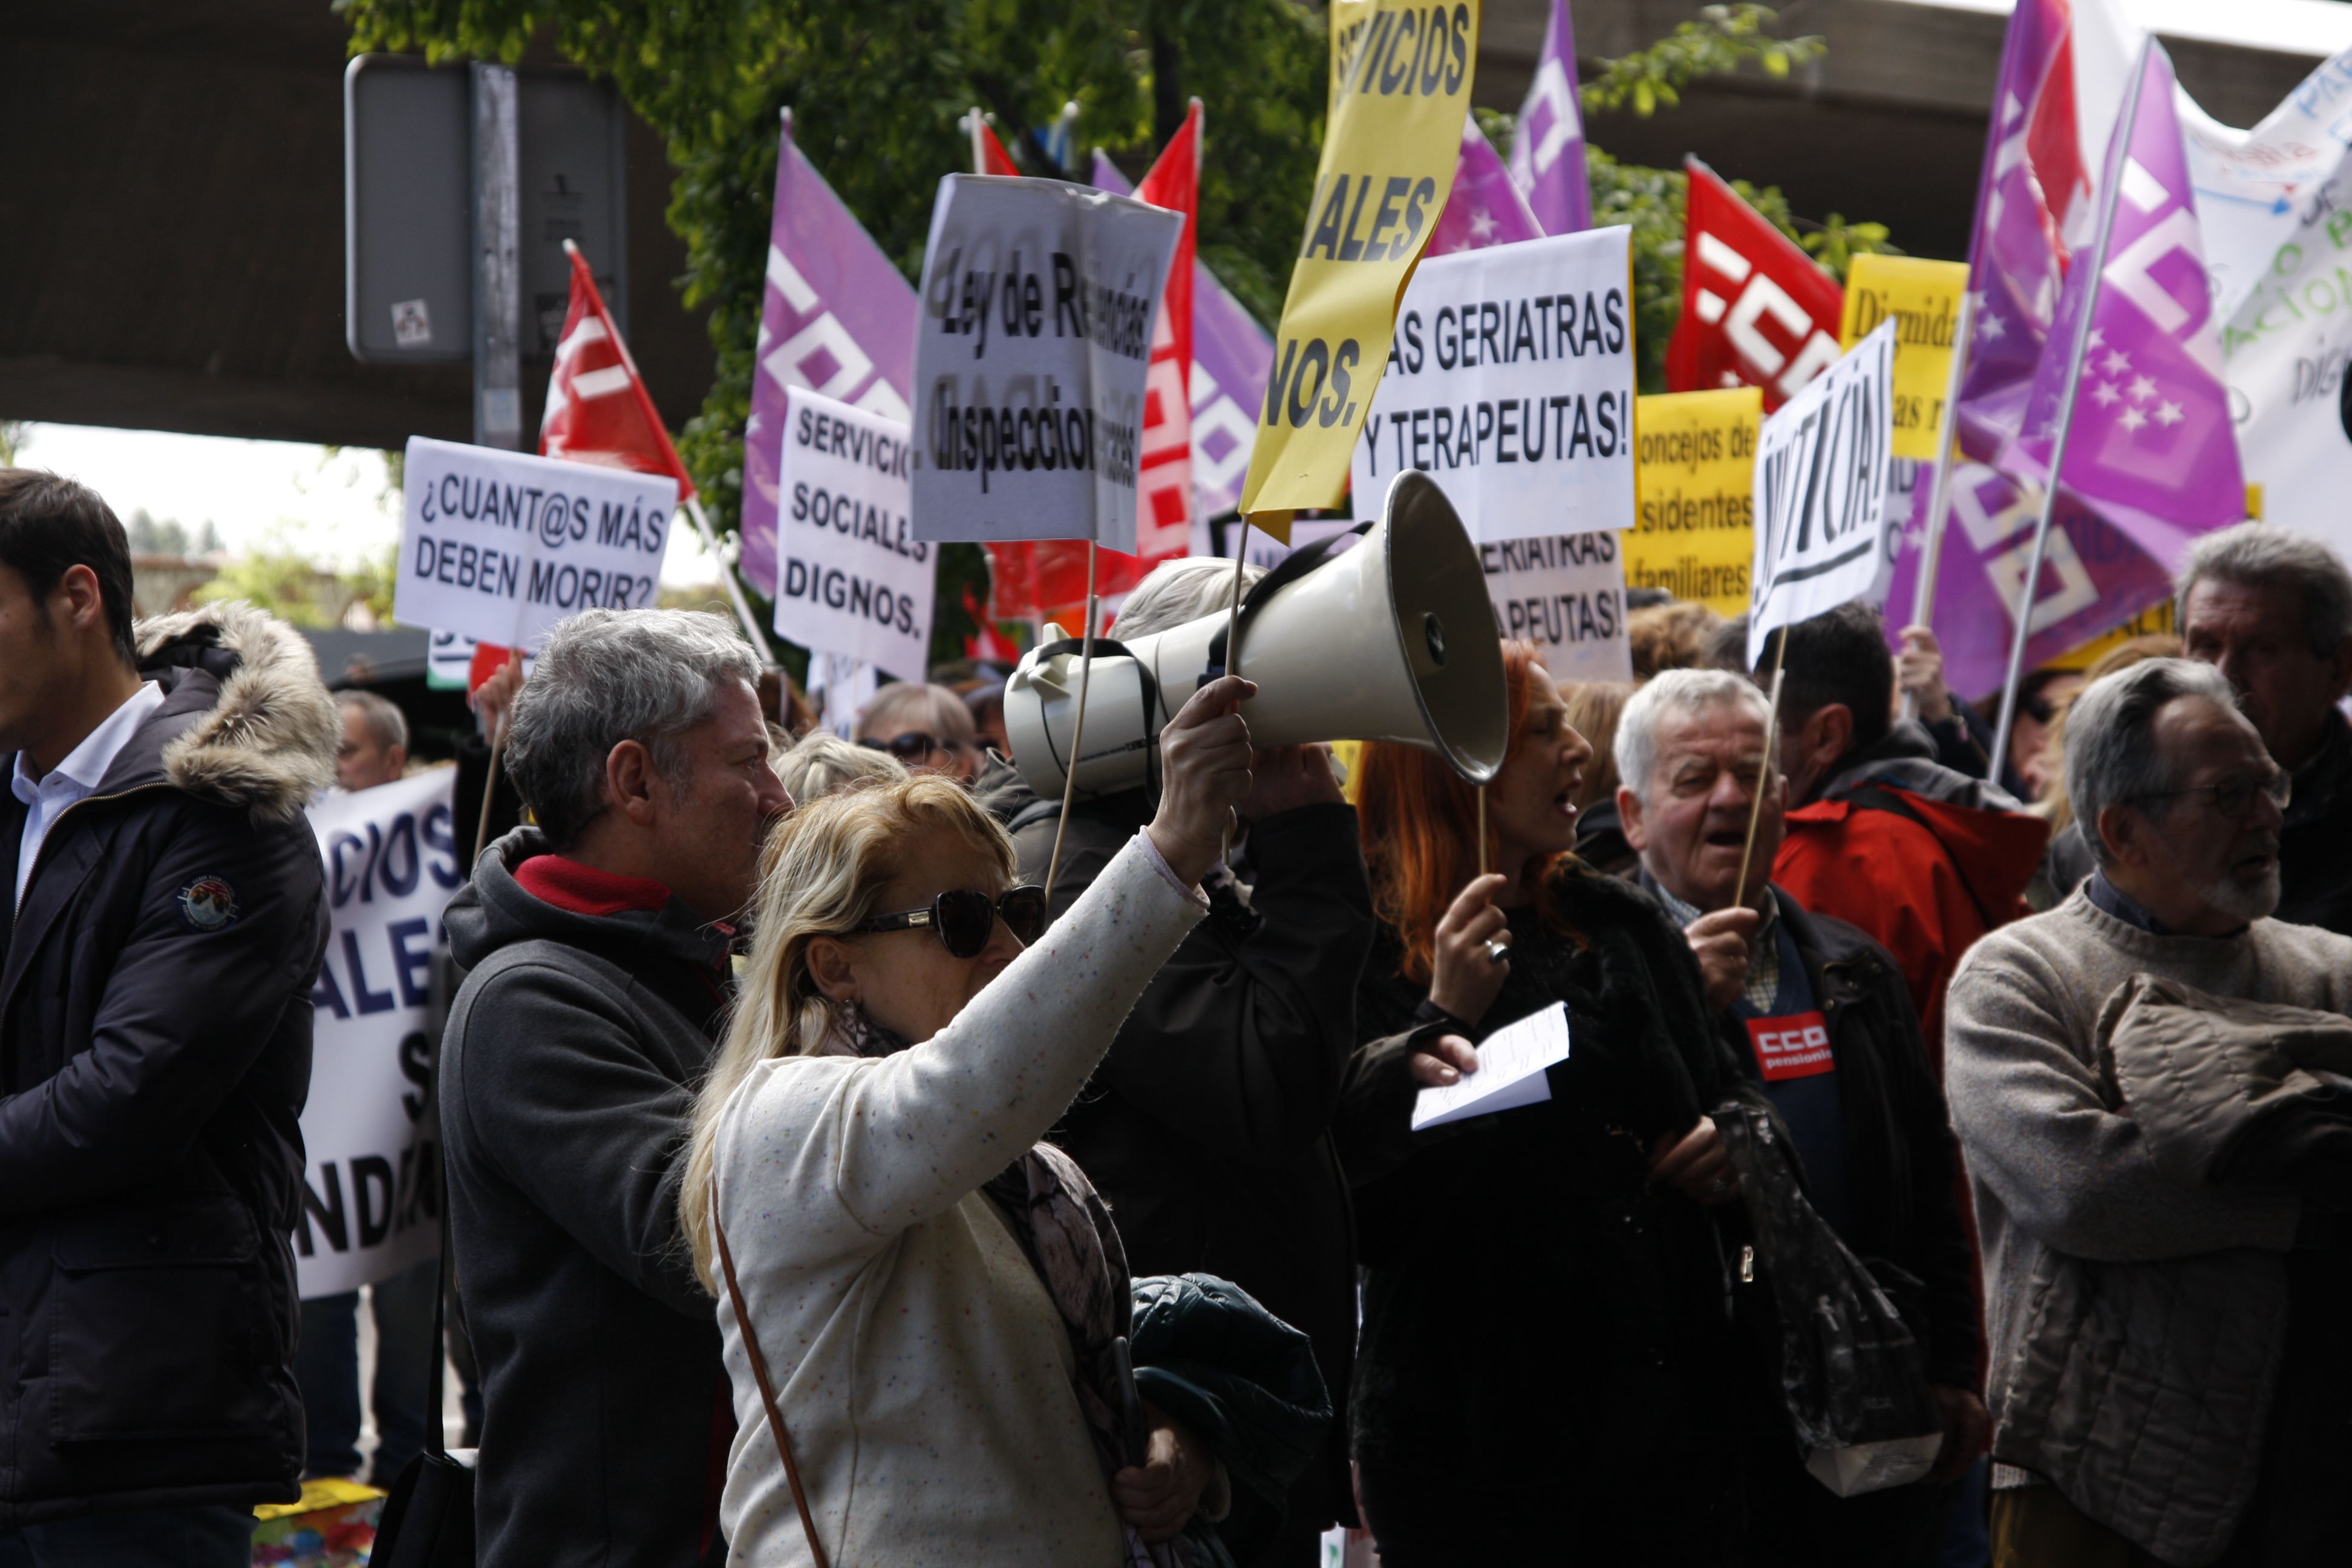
497, 273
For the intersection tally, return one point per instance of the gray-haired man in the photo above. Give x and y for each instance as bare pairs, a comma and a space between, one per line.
2272, 612
2168, 1377
597, 945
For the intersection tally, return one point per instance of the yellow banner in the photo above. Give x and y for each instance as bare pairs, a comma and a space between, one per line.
1923, 300
1400, 91
1693, 491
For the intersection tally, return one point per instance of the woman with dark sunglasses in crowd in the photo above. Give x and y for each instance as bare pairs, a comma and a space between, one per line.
927, 728
932, 1292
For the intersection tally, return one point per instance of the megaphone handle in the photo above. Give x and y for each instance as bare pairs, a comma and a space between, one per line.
1077, 729
1481, 830
1233, 657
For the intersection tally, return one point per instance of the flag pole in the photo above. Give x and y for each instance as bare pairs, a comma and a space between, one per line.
693, 505
2024, 612
1771, 733
1077, 729
1940, 487
652, 415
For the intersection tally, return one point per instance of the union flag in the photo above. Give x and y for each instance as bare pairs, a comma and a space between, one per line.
1757, 311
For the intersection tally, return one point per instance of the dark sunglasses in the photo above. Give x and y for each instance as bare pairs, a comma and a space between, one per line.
964, 920
913, 746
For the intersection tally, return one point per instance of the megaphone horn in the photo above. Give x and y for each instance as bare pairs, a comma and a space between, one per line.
1392, 640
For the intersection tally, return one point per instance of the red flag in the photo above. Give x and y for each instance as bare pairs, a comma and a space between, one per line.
1053, 577
988, 154
986, 642
1755, 311
597, 408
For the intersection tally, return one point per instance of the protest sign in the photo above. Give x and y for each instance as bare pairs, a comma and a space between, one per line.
1039, 301
1822, 523
502, 545
1510, 382
372, 1187
1565, 593
1695, 484
1400, 88
1923, 300
851, 578
2288, 332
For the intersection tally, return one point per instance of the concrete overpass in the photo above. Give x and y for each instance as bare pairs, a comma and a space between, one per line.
171, 193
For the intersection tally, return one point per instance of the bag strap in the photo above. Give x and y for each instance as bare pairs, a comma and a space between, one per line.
767, 1387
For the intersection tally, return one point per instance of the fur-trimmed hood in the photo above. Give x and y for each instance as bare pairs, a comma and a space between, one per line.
247, 720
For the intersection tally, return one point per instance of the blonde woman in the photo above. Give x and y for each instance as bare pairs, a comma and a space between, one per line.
933, 1291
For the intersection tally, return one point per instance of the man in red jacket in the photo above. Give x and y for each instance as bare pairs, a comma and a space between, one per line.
1924, 859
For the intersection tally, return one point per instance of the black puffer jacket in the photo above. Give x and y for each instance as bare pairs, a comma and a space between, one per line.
155, 1055
1207, 1126
567, 1079
1535, 1313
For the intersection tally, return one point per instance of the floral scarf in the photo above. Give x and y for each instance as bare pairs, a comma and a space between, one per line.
1065, 1229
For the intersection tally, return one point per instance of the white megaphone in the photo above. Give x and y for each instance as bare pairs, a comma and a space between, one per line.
1392, 640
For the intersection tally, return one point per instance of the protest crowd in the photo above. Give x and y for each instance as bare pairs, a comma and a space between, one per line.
1629, 1083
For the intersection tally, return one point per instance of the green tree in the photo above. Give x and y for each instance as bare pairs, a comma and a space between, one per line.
11, 441
878, 90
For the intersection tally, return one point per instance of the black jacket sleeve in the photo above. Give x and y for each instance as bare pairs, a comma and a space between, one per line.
558, 1098
1239, 1043
185, 1014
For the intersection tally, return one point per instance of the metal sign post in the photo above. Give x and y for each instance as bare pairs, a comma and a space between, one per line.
497, 279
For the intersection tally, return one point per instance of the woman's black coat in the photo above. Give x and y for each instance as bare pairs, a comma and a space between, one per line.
1536, 1314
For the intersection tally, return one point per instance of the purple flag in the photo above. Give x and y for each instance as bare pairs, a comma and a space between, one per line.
838, 319
1232, 356
2094, 576
1548, 152
2151, 443
1485, 208
2063, 70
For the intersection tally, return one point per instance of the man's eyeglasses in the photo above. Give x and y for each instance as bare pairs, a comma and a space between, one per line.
964, 920
911, 746
2234, 798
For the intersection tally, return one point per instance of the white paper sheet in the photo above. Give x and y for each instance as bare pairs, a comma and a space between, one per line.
1510, 1073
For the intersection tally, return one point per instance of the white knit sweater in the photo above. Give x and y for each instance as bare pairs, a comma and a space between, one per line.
922, 1371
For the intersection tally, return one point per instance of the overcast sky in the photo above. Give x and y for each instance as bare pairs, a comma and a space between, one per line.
333, 505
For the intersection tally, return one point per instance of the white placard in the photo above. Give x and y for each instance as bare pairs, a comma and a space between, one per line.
1566, 593
851, 577
372, 1182
501, 545
1510, 382
1511, 1063
1030, 362
1822, 468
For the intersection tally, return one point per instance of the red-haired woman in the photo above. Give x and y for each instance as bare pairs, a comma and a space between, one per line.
1547, 1367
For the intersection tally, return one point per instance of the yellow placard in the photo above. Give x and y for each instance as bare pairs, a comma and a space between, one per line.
1693, 496
1400, 91
1923, 300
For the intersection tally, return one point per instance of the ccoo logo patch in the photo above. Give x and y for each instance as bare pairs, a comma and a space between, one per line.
208, 904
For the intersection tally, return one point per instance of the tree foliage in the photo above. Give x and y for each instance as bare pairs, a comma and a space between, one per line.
878, 89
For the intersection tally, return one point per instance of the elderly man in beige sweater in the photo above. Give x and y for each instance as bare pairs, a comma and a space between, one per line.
2166, 1385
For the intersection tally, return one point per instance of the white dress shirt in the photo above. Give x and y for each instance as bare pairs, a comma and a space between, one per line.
74, 778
